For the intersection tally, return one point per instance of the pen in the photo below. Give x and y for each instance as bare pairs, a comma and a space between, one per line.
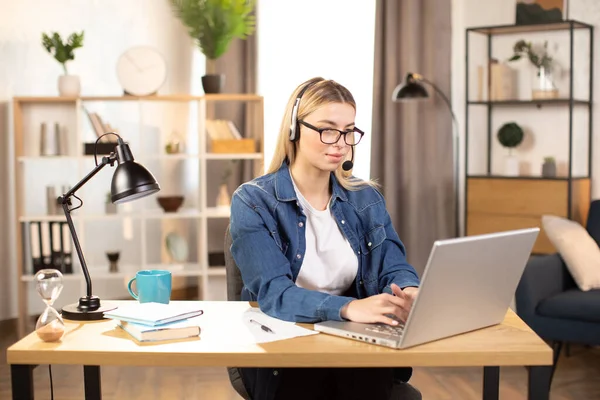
263, 327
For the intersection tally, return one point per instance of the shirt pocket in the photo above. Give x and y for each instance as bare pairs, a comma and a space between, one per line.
373, 239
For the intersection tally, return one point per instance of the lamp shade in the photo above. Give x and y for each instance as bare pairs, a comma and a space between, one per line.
409, 89
132, 181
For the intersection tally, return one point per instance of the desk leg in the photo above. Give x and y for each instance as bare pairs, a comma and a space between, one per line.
91, 377
491, 383
539, 382
22, 381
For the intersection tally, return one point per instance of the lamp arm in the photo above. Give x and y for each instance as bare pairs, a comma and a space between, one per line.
443, 96
65, 201
455, 151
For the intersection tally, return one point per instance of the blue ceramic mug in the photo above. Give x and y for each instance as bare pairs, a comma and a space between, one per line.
153, 286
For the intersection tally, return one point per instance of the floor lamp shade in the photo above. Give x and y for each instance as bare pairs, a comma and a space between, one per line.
410, 89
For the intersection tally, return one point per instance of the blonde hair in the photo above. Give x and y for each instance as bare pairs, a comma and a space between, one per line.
318, 93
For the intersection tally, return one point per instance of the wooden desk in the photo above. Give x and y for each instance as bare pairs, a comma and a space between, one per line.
101, 343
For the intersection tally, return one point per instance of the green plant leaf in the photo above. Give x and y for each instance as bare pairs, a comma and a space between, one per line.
62, 52
213, 24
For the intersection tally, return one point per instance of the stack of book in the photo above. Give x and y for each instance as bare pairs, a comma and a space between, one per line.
149, 322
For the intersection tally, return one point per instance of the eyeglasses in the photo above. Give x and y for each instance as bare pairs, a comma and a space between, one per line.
332, 136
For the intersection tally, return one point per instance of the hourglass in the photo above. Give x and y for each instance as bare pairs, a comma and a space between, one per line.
50, 326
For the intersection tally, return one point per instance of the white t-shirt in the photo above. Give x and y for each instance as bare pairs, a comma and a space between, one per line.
329, 264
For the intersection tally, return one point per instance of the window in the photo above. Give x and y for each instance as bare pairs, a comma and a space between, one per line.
339, 31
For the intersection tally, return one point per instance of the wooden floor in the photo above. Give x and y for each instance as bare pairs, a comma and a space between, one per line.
576, 378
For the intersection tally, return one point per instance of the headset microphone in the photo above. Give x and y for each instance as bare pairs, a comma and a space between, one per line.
348, 164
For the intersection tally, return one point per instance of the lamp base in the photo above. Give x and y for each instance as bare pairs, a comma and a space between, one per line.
88, 309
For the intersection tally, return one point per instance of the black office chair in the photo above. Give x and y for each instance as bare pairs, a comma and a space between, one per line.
234, 293
401, 391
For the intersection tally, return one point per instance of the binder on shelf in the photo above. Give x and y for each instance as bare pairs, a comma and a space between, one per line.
49, 246
65, 246
35, 242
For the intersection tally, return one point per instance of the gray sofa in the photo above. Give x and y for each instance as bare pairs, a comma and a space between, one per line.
550, 302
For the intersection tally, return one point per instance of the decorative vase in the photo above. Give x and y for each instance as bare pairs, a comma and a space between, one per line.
223, 199
511, 166
113, 259
213, 83
543, 85
549, 169
69, 85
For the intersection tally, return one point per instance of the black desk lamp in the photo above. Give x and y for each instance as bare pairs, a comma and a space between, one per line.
130, 181
412, 89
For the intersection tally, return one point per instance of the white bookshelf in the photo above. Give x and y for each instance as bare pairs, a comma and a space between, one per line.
139, 227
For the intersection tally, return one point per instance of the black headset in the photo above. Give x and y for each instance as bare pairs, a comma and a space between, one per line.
294, 128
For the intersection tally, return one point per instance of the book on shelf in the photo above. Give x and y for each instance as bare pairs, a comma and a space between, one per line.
176, 330
220, 129
154, 314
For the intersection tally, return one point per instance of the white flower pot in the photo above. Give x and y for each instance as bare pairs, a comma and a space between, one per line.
69, 85
511, 166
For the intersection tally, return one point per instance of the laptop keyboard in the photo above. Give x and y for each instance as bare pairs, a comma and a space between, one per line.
386, 329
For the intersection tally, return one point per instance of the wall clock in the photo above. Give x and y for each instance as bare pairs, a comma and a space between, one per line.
141, 71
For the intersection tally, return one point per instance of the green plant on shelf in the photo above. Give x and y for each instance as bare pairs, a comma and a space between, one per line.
510, 135
62, 51
549, 160
537, 55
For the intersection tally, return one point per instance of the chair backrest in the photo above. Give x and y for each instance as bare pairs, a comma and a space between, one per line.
233, 275
593, 221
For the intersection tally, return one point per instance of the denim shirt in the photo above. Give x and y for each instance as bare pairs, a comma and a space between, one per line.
267, 228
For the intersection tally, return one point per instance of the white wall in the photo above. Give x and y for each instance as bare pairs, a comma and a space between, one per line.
547, 128
333, 39
26, 69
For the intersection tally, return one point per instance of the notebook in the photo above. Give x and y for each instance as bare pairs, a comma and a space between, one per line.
175, 330
154, 314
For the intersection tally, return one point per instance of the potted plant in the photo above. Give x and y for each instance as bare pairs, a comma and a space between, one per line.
213, 24
68, 85
543, 87
549, 167
510, 135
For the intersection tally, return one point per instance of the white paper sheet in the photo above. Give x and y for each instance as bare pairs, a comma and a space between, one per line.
281, 329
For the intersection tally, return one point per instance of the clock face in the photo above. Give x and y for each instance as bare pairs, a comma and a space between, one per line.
141, 71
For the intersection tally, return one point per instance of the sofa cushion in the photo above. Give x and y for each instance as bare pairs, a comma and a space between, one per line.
572, 304
579, 251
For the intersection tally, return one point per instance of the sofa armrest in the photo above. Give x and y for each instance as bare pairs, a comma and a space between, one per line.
544, 276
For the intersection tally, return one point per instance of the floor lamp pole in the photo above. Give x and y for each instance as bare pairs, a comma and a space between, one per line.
455, 145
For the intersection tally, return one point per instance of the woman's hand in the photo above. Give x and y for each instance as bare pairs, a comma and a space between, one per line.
380, 307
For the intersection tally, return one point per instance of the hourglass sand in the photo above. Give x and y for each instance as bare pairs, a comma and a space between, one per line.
50, 326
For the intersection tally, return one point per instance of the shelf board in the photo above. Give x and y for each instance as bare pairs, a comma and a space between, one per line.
169, 97
217, 271
186, 269
47, 158
233, 156
182, 213
168, 157
515, 29
528, 102
215, 212
66, 277
557, 178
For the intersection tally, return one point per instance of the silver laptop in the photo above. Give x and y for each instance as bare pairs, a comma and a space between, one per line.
468, 284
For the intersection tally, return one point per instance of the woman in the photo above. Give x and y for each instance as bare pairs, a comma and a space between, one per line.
314, 243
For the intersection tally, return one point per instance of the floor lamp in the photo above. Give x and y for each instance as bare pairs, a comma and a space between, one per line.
412, 89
